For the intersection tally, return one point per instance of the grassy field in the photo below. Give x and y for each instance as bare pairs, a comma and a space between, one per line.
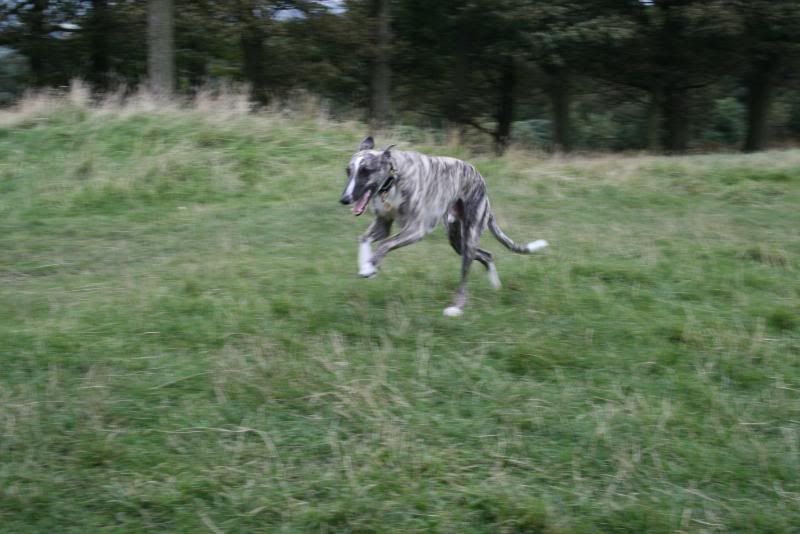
185, 344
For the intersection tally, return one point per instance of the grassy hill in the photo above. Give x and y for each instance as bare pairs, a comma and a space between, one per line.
185, 344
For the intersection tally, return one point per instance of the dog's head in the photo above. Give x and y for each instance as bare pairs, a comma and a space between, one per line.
367, 171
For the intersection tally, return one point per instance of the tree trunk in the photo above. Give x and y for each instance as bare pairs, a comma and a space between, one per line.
160, 48
559, 91
196, 63
253, 55
99, 28
381, 76
37, 49
759, 99
676, 120
654, 120
505, 108
456, 106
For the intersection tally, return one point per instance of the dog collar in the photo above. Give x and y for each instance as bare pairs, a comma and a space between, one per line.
389, 181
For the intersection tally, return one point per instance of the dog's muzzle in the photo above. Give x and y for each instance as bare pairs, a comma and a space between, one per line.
346, 199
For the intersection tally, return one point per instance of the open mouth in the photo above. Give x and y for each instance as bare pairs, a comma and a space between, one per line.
361, 204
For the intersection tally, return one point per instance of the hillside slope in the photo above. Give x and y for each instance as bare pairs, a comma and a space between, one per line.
186, 345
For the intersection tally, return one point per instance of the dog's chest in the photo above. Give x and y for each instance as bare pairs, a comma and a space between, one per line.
387, 205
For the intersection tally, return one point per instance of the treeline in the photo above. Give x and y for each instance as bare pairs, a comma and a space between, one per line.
661, 75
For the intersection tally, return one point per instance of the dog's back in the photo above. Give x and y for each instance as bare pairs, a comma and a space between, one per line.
432, 184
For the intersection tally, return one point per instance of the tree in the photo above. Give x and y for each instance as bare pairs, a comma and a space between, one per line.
458, 64
160, 55
100, 30
563, 74
563, 39
44, 31
381, 70
771, 37
555, 47
25, 26
252, 27
252, 17
13, 71
667, 49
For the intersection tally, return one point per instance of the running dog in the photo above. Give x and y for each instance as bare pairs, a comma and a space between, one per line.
417, 191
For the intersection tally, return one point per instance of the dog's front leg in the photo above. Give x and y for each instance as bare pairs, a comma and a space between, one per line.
379, 229
365, 267
404, 237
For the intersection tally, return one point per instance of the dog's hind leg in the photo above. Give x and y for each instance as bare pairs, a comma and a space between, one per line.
379, 229
470, 234
483, 256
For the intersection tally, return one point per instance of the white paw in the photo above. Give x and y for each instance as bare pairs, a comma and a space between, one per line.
494, 279
533, 246
367, 270
453, 311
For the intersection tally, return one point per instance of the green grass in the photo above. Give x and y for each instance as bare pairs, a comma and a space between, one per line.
185, 345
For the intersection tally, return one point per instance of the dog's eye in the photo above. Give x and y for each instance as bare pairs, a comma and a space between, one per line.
347, 171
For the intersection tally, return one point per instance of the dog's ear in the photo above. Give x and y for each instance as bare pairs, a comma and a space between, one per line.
367, 144
387, 153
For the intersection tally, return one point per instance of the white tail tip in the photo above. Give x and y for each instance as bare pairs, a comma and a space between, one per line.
533, 246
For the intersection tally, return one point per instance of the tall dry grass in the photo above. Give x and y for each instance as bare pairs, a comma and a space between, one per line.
219, 101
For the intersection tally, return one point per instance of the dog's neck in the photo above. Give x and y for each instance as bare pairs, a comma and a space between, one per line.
390, 179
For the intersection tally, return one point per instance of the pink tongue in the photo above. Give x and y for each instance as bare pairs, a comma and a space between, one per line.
359, 206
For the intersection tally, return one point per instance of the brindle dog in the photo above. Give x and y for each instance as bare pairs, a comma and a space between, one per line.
417, 191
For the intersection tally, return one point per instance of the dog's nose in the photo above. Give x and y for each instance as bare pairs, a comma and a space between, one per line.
346, 199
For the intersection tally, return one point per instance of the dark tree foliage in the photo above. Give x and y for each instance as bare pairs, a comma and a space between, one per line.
665, 75
770, 51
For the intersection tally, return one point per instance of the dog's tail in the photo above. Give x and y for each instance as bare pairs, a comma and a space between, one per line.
533, 246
